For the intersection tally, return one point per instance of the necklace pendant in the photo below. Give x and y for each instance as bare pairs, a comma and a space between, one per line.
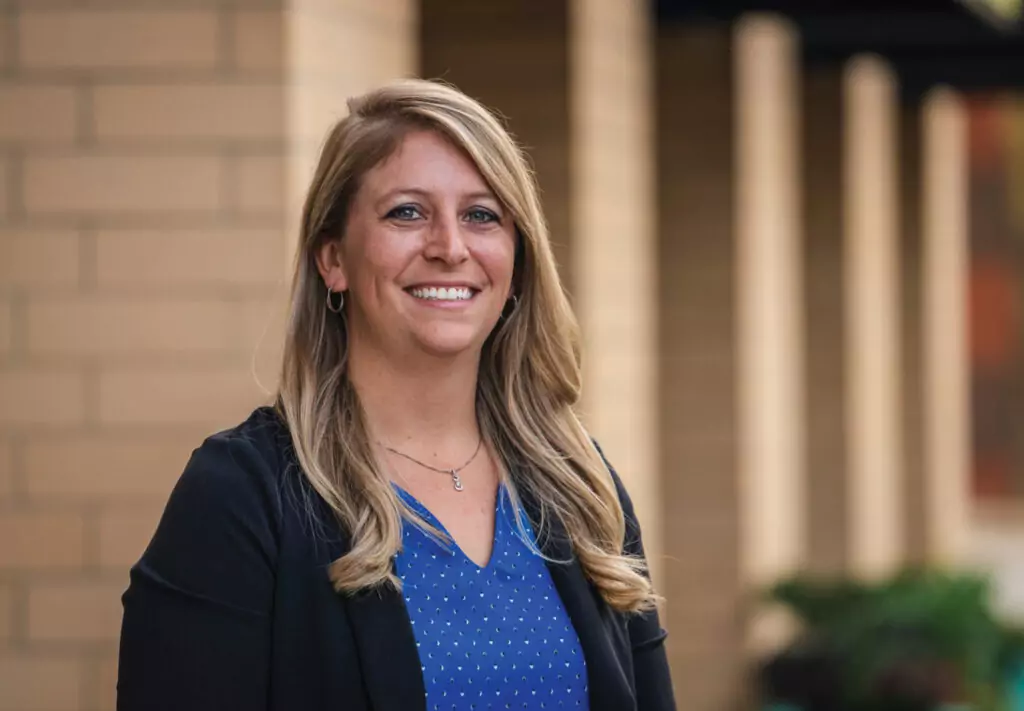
456, 480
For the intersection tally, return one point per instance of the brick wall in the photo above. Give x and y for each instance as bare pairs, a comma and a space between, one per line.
146, 151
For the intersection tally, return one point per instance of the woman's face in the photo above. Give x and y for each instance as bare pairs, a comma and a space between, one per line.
427, 256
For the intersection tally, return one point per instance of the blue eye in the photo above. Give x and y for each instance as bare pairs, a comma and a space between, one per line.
405, 213
481, 215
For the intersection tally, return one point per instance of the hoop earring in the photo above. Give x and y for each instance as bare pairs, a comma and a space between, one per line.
330, 302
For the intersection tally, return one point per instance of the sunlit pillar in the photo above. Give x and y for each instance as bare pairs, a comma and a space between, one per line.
871, 227
612, 209
769, 304
945, 381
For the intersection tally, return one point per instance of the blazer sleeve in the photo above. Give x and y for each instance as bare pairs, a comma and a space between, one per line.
651, 674
196, 628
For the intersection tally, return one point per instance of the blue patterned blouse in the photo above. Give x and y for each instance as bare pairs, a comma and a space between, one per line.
495, 637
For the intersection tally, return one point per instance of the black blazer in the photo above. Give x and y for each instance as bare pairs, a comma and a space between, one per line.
230, 606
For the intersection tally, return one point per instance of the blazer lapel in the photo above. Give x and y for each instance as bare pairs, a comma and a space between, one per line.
387, 651
609, 689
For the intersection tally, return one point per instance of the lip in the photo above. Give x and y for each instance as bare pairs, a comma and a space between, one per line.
443, 284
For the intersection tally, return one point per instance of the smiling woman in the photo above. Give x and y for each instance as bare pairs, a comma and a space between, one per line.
420, 521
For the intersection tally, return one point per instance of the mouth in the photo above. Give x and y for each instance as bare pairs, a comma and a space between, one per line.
442, 293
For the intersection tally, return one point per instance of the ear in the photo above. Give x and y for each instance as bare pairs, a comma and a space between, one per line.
331, 265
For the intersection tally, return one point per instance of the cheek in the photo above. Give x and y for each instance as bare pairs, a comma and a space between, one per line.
498, 259
379, 255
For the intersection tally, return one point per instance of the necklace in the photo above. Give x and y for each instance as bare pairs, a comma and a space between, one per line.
453, 473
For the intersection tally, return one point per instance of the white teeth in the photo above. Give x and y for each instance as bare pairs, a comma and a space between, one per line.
443, 294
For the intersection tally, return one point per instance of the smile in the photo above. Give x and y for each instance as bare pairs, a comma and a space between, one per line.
453, 293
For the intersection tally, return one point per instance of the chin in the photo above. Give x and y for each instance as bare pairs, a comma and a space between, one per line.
450, 342
448, 348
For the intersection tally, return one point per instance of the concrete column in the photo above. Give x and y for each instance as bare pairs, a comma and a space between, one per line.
769, 311
872, 318
945, 383
613, 247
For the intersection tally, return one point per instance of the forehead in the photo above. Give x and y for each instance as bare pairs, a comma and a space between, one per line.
426, 160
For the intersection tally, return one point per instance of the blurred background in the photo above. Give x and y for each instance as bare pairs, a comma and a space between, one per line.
793, 232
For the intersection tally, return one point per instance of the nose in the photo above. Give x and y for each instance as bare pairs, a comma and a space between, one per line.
446, 242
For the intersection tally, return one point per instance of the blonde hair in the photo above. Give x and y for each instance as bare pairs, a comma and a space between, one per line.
529, 377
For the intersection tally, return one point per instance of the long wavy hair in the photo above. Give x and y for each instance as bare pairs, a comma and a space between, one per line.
529, 378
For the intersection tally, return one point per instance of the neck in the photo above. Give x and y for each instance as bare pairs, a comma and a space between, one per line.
420, 406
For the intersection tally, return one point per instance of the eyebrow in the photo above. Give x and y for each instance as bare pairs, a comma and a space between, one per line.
487, 194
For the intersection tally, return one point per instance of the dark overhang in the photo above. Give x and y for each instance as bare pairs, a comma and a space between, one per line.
969, 44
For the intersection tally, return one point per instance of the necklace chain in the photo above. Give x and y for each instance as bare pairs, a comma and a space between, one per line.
452, 472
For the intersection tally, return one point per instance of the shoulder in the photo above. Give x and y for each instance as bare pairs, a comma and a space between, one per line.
263, 434
219, 534
233, 476
250, 456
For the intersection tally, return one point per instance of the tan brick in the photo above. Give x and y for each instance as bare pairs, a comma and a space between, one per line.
103, 685
6, 470
38, 258
5, 38
132, 39
6, 612
124, 535
104, 467
214, 398
29, 397
331, 38
191, 257
38, 113
121, 183
41, 541
5, 206
74, 611
117, 326
214, 111
259, 40
261, 184
264, 325
6, 326
319, 106
39, 683
262, 320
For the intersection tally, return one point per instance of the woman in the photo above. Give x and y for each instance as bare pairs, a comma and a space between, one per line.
420, 522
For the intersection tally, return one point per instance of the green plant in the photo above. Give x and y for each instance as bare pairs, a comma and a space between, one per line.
915, 640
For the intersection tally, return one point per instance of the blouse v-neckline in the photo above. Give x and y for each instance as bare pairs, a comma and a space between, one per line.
497, 535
